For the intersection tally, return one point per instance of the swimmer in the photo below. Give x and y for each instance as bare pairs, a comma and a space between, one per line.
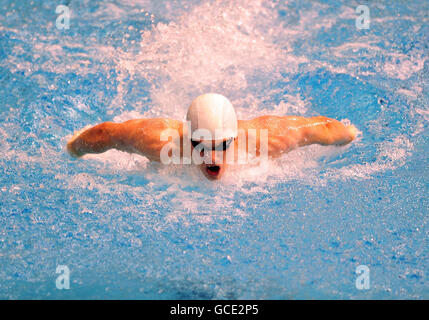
210, 115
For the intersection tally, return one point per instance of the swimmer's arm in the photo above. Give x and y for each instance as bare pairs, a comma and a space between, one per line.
142, 136
289, 132
326, 131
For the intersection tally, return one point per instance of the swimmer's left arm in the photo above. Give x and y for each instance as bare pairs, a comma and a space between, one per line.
289, 132
326, 131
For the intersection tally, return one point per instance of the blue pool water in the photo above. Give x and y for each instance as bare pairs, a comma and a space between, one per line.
127, 228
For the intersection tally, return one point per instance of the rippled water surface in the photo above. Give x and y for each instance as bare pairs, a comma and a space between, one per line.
128, 228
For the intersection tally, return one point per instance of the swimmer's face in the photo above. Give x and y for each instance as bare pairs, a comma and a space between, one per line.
212, 152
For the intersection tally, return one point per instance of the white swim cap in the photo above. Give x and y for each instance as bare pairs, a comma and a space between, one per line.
215, 114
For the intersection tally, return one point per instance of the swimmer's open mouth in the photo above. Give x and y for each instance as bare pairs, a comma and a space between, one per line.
213, 170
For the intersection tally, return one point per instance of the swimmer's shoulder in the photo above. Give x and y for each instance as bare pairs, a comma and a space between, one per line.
156, 122
263, 122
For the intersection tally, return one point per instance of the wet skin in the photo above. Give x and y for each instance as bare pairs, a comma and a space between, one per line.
143, 136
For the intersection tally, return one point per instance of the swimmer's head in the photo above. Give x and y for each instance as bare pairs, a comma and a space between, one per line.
213, 127
212, 115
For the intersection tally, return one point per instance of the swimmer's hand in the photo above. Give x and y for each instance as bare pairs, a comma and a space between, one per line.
352, 131
88, 140
72, 146
327, 131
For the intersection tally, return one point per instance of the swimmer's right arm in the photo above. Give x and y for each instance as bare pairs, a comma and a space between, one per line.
142, 136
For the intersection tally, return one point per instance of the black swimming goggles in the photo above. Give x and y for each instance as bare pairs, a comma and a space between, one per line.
222, 146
